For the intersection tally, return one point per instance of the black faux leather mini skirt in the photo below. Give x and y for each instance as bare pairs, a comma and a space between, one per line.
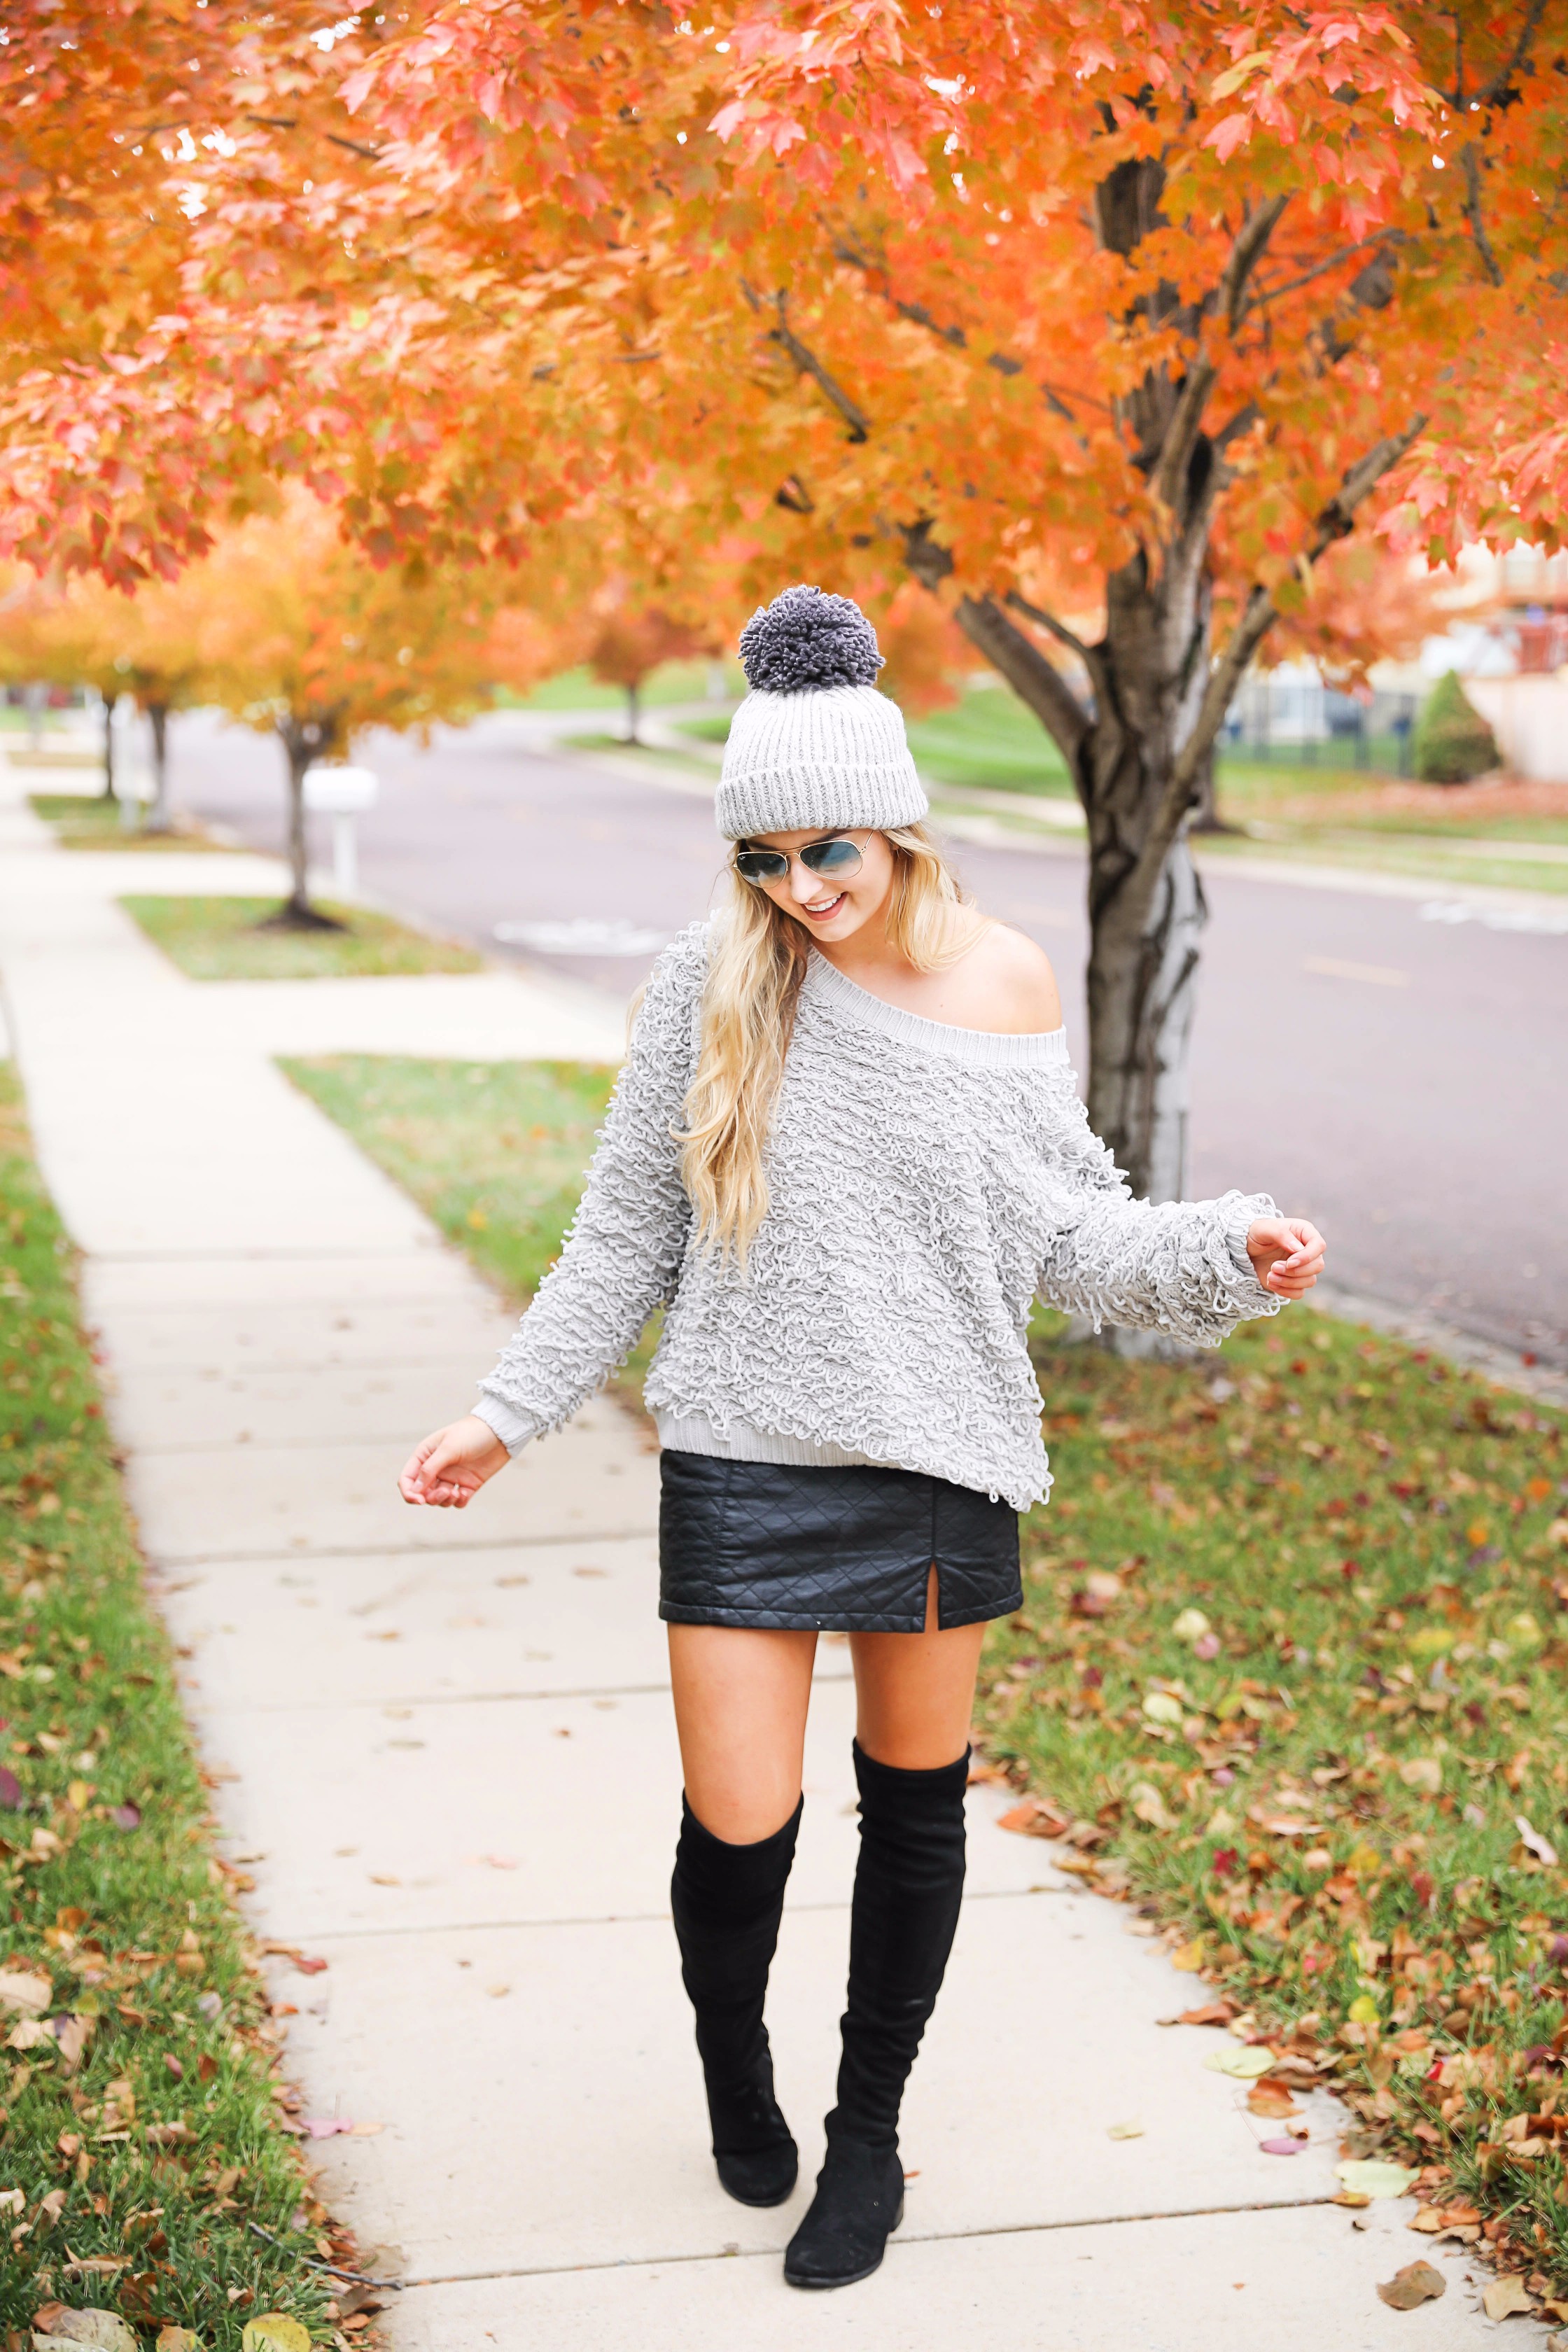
831, 1550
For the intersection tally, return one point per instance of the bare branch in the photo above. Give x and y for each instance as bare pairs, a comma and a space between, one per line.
1182, 433
1471, 208
354, 146
1257, 617
1052, 626
1245, 256
808, 363
1267, 294
1490, 91
1035, 680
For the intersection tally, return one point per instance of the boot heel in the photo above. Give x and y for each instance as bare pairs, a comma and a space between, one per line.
859, 2202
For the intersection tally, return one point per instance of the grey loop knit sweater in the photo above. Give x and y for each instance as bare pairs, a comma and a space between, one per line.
925, 1183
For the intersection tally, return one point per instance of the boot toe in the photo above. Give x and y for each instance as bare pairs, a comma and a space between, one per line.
859, 2202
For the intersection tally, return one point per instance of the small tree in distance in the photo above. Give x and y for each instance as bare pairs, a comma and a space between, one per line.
630, 644
303, 638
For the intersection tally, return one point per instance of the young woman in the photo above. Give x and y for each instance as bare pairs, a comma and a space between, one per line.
845, 1154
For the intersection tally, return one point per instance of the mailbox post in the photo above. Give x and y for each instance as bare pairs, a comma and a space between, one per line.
343, 794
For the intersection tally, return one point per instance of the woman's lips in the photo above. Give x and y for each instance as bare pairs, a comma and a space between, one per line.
822, 914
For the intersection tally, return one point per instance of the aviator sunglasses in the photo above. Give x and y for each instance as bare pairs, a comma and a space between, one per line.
838, 858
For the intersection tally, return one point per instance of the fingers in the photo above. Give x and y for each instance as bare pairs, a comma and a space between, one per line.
427, 1476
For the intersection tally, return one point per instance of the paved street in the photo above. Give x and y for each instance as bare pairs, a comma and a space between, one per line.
1401, 1080
443, 1747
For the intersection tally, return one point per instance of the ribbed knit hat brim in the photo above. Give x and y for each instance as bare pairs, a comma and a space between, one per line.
833, 758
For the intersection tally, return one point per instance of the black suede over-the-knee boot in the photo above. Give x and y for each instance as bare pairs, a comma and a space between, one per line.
728, 1900
908, 1884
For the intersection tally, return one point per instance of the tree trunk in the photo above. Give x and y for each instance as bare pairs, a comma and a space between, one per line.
108, 702
633, 713
158, 720
303, 741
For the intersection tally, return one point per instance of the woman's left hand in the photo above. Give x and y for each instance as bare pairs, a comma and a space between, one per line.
1287, 1255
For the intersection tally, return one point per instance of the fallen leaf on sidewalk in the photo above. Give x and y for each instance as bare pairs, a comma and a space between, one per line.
1272, 2100
1242, 2065
1503, 2296
491, 1861
384, 1878
1417, 2283
1032, 1819
1211, 2012
1369, 2177
1124, 2131
1281, 2147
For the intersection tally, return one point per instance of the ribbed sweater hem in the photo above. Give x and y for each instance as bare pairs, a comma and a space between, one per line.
693, 1432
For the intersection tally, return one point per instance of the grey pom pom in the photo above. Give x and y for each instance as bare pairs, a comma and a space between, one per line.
805, 639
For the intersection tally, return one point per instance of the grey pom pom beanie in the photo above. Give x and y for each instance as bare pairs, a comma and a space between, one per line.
814, 744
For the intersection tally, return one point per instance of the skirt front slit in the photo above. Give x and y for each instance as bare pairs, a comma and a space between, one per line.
828, 1549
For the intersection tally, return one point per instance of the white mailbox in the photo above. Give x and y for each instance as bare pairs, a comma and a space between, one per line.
342, 793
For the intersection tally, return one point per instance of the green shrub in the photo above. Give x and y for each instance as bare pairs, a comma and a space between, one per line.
1453, 741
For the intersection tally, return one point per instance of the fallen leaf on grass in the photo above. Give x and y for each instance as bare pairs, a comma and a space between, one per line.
126, 1817
26, 1989
1369, 2177
1426, 1773
1188, 1957
1417, 2283
1545, 1852
177, 2339
275, 2332
1503, 2296
10, 1788
105, 2330
1124, 2131
1243, 2065
30, 2034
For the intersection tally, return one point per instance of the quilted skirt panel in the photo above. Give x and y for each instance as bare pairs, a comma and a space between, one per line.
828, 1549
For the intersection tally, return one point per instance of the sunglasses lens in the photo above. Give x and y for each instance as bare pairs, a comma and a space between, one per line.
761, 864
839, 856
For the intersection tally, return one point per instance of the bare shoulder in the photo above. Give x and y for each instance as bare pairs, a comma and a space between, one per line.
1016, 976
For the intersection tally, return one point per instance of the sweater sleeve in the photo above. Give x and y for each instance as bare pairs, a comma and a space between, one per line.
1174, 1265
621, 1258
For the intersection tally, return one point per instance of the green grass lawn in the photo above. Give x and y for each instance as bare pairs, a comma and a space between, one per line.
83, 821
140, 2123
1291, 1664
1291, 1671
226, 938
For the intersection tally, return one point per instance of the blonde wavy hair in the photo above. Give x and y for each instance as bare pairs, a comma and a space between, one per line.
759, 962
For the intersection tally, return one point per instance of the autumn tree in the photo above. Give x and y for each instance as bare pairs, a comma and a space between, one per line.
1105, 325
301, 636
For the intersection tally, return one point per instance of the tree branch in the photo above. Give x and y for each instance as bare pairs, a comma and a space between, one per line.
1052, 626
1258, 616
1036, 681
1267, 294
1245, 256
1490, 91
1471, 208
808, 363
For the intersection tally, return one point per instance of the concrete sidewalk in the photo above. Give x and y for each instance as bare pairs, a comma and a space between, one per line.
452, 1773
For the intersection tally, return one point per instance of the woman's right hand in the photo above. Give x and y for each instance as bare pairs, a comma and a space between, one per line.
449, 1467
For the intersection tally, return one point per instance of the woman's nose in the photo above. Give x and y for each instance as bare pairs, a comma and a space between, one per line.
803, 883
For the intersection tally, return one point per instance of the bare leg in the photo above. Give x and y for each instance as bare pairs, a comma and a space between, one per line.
915, 1691
741, 1699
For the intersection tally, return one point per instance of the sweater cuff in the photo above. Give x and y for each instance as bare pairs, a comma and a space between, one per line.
1268, 1302
510, 1427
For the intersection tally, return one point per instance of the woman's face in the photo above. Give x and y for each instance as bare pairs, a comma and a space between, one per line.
829, 907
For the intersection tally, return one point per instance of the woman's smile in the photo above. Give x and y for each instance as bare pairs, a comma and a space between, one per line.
820, 910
